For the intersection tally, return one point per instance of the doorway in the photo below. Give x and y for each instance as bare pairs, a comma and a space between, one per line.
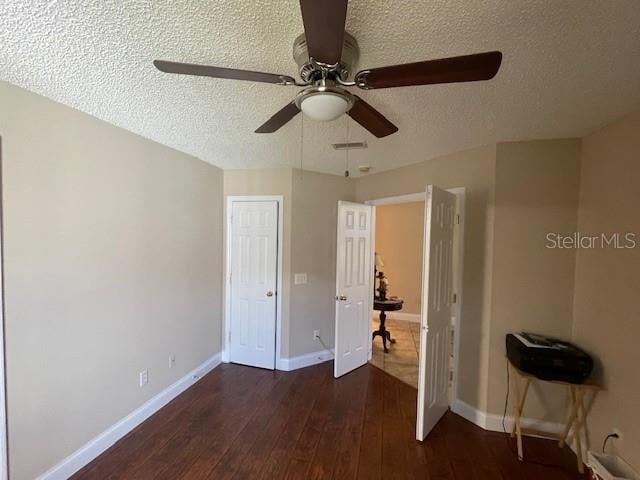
398, 262
253, 281
441, 300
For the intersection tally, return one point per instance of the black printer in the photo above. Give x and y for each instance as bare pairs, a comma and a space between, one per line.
548, 358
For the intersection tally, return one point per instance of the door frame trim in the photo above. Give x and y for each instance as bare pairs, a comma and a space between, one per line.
226, 324
4, 439
460, 193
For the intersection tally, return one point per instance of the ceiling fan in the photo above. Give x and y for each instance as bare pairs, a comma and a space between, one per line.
325, 54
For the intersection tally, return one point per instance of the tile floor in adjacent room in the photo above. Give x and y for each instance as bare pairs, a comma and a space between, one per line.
402, 359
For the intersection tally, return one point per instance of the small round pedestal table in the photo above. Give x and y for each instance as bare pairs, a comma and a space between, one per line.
385, 306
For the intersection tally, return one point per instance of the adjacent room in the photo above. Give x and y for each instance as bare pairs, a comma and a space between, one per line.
399, 232
328, 239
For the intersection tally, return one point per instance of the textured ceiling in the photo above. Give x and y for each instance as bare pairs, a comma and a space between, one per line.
569, 66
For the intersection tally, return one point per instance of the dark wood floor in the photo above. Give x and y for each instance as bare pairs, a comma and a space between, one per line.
244, 423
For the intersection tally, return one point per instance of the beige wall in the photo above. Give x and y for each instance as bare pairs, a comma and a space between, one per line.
112, 261
515, 193
313, 251
536, 192
399, 234
607, 282
475, 170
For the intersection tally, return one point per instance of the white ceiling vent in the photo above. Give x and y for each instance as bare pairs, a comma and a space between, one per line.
349, 145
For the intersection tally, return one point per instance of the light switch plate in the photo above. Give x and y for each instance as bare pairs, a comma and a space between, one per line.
144, 377
300, 279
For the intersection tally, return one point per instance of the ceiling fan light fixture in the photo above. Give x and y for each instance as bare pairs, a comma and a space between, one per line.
325, 54
324, 107
324, 103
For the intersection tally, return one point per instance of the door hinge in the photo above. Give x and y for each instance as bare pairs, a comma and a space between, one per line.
455, 298
457, 219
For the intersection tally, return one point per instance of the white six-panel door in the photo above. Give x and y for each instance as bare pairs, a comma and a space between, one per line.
437, 295
253, 257
354, 276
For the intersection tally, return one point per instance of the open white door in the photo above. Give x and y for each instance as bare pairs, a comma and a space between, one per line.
354, 289
433, 376
254, 260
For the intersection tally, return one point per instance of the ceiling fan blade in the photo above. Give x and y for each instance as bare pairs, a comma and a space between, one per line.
279, 119
467, 68
220, 72
324, 28
371, 119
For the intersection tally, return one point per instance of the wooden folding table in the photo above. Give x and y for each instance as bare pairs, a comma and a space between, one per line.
575, 420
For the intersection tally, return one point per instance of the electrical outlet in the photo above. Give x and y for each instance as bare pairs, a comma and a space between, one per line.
316, 334
144, 377
172, 360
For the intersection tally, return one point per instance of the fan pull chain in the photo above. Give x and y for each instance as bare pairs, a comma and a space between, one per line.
346, 171
301, 144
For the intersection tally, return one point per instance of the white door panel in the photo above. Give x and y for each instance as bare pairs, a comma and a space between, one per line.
254, 251
354, 274
437, 293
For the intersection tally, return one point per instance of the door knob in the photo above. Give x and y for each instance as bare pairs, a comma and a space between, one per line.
269, 293
342, 298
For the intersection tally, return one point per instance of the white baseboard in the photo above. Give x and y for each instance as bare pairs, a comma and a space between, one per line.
301, 361
409, 317
470, 413
106, 439
285, 364
493, 422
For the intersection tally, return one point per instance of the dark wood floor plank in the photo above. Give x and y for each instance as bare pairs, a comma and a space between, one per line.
141, 440
276, 464
370, 463
215, 444
252, 433
321, 419
189, 440
393, 429
354, 396
278, 416
337, 451
184, 432
416, 459
245, 423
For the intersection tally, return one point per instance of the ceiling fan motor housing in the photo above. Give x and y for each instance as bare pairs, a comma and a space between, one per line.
309, 71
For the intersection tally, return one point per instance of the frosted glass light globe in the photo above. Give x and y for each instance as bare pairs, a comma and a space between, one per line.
324, 106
